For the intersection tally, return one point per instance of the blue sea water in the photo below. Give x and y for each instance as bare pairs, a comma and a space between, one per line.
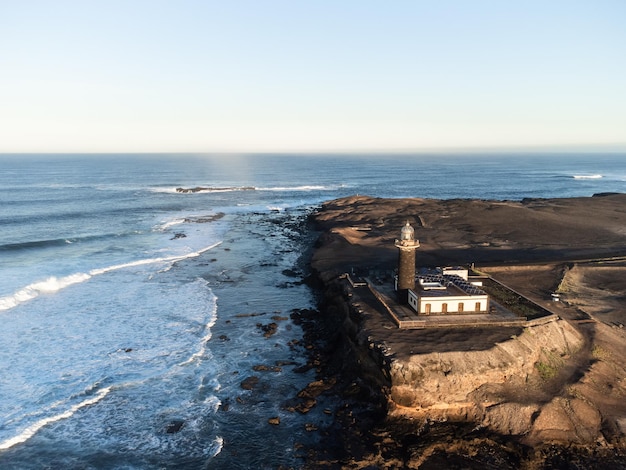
129, 310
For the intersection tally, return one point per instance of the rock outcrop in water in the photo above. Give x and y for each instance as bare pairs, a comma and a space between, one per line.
199, 189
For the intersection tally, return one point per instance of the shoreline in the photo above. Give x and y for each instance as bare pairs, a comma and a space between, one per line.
355, 234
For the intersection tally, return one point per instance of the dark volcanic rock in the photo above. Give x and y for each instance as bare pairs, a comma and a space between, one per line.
175, 426
198, 189
306, 405
205, 219
269, 329
250, 383
291, 273
264, 368
315, 389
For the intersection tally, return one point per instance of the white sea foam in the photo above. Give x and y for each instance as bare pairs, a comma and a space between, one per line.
54, 284
211, 403
170, 190
47, 286
200, 189
207, 335
219, 445
170, 223
142, 262
587, 177
296, 188
132, 264
33, 428
227, 189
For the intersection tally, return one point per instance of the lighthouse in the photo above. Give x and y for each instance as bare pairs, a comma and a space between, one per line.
407, 244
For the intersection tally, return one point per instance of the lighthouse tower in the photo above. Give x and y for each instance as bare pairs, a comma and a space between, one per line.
407, 244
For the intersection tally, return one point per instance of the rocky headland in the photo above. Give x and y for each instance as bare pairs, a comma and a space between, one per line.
546, 395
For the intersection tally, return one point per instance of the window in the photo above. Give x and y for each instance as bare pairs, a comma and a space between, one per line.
477, 306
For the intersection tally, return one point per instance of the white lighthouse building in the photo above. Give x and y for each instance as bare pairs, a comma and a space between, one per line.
447, 291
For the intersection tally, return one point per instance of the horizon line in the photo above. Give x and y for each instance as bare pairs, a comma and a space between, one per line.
536, 149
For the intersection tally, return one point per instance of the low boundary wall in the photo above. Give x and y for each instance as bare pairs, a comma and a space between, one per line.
457, 322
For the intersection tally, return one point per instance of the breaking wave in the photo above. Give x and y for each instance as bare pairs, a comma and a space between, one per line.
298, 188
201, 352
54, 284
165, 225
215, 189
201, 189
33, 428
48, 286
218, 445
587, 177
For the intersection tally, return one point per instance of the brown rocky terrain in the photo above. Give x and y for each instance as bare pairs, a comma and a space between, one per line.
546, 396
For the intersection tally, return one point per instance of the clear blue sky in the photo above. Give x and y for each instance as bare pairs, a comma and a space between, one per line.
264, 75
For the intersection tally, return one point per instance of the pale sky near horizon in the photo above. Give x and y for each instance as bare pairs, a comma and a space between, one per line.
207, 76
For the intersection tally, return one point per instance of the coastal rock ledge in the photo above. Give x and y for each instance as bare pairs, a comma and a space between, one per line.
557, 382
499, 387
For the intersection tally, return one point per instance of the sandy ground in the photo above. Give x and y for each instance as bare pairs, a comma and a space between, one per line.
593, 299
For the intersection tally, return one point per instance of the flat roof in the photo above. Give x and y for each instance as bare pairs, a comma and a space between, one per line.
450, 286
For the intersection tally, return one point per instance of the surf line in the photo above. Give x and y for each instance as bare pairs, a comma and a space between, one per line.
587, 177
54, 284
141, 262
33, 428
207, 336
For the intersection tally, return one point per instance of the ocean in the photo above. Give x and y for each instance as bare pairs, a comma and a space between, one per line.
133, 314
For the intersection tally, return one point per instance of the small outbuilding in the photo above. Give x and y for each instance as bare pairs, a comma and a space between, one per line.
441, 294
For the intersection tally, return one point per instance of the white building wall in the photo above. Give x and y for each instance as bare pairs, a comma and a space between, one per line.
413, 300
453, 305
461, 272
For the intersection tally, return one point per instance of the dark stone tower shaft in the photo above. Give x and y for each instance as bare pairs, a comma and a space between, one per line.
406, 260
406, 269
